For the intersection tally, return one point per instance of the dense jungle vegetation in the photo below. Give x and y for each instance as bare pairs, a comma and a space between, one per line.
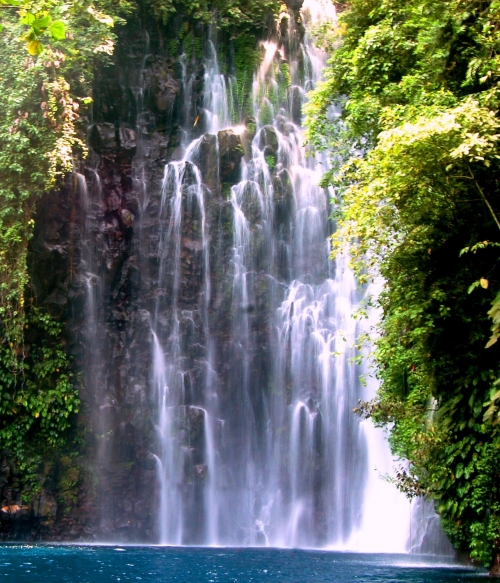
47, 51
416, 167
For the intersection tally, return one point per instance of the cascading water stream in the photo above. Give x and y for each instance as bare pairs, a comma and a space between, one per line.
182, 192
245, 321
285, 464
91, 198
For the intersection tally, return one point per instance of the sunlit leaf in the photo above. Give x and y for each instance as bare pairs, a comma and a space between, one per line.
57, 30
61, 9
101, 17
28, 19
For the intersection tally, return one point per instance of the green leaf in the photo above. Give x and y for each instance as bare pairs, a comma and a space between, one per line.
57, 30
28, 19
473, 286
40, 24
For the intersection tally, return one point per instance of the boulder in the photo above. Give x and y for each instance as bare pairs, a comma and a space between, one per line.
295, 96
294, 4
161, 85
250, 203
284, 126
167, 90
102, 138
269, 142
248, 135
126, 137
207, 162
283, 197
230, 155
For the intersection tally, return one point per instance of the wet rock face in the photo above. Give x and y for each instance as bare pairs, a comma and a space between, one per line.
45, 506
95, 262
294, 4
83, 262
127, 140
269, 143
208, 162
161, 85
103, 138
106, 139
230, 153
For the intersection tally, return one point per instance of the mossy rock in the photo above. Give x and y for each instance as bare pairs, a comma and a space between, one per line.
230, 155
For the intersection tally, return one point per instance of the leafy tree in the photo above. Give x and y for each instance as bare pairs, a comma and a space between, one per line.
416, 166
43, 91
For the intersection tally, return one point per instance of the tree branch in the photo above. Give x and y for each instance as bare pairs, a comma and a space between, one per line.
495, 218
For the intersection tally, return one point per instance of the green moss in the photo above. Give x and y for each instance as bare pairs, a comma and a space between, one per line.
271, 161
173, 47
226, 192
247, 57
284, 81
251, 127
198, 46
192, 44
266, 114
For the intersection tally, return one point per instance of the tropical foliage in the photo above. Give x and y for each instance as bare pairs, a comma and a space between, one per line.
415, 162
47, 52
237, 14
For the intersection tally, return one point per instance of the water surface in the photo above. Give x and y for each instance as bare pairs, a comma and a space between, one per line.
98, 564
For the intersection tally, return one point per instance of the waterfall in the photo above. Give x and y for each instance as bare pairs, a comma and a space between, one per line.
240, 359
288, 465
90, 191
